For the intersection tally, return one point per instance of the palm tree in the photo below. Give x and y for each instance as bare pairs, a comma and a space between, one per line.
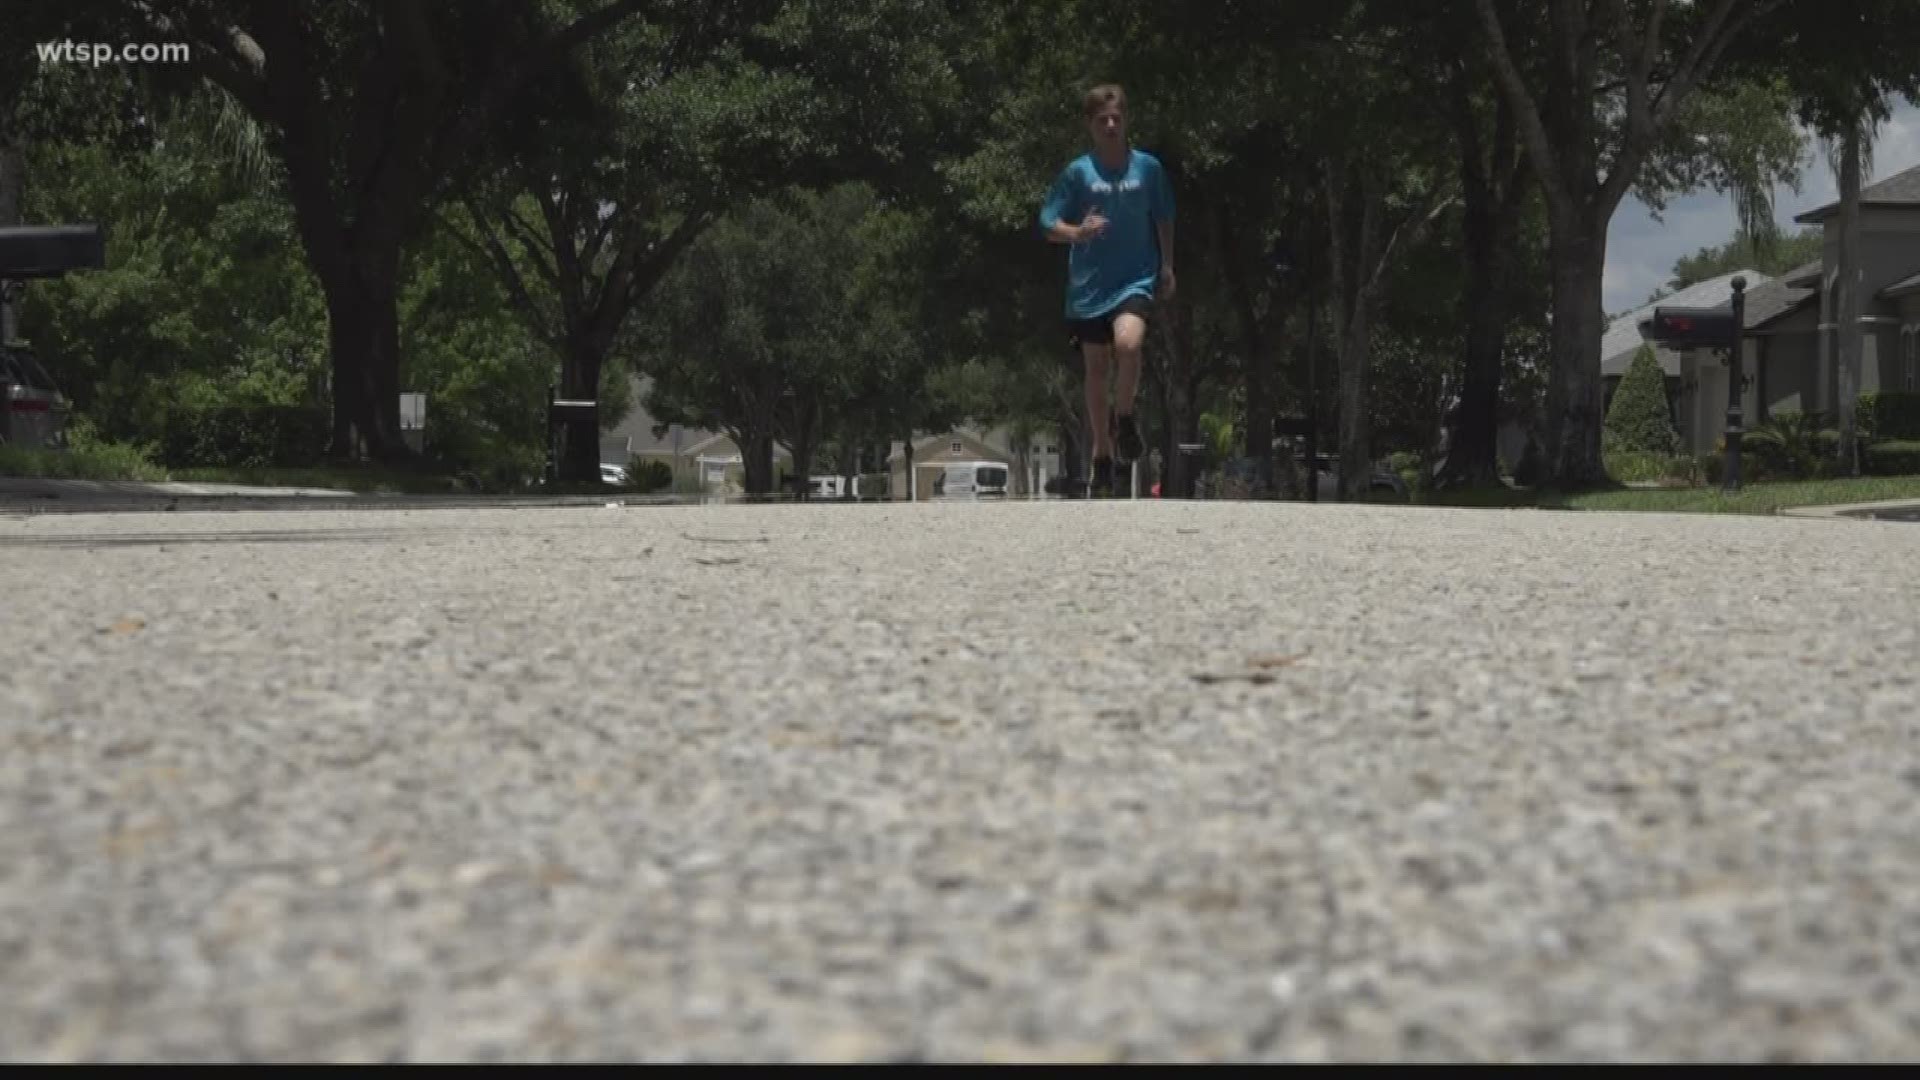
1850, 153
1796, 443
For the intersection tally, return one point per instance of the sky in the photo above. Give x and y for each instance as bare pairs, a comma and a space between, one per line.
1641, 251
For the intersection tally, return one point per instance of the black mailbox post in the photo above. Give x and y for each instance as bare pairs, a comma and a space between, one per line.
1717, 329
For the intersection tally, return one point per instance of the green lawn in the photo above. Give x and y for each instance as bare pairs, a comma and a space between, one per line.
113, 462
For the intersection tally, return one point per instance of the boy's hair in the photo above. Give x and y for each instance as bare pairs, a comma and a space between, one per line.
1100, 97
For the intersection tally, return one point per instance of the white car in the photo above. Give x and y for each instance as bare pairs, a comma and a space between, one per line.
612, 474
35, 411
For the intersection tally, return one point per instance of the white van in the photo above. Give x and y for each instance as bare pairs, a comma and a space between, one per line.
970, 480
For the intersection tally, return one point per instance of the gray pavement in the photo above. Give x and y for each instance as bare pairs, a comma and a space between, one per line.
1153, 780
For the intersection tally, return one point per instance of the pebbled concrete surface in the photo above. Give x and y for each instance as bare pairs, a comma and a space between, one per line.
1134, 781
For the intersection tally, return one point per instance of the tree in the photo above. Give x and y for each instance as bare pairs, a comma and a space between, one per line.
682, 113
42, 102
1613, 78
782, 322
1385, 186
372, 109
1743, 252
208, 302
1639, 420
1496, 184
205, 299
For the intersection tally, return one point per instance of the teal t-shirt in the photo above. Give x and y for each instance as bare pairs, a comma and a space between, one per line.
1125, 260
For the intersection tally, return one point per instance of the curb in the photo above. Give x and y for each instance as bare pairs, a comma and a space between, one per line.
1849, 511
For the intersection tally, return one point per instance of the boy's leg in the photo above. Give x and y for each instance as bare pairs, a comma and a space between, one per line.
1099, 360
1129, 336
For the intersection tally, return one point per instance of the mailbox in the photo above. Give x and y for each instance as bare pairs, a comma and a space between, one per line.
43, 251
1692, 328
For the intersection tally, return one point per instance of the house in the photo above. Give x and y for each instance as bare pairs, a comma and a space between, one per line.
705, 461
932, 452
1790, 349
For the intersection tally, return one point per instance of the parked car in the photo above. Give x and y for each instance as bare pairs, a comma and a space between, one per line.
612, 474
971, 480
36, 412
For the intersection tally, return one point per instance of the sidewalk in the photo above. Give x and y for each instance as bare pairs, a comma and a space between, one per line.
36, 495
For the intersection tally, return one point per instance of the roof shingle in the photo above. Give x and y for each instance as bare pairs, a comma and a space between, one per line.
1780, 297
1900, 190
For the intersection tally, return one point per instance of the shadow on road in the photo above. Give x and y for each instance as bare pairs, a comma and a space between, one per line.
283, 536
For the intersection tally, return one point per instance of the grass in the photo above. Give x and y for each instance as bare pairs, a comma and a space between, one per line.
91, 463
362, 479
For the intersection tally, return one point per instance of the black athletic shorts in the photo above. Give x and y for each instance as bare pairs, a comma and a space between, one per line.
1099, 330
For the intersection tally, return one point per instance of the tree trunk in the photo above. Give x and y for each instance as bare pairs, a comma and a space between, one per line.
804, 438
1849, 302
1256, 353
1177, 376
1494, 188
756, 456
13, 186
907, 489
1473, 433
363, 336
1353, 209
580, 445
13, 173
1356, 429
1574, 387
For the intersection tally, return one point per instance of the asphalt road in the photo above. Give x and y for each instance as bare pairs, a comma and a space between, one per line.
1167, 781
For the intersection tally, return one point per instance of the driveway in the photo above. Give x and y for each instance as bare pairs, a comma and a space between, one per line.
1086, 780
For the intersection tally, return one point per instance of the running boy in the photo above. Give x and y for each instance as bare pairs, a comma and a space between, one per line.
1115, 206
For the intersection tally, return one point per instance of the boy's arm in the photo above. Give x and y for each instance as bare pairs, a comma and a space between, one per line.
1059, 203
1163, 221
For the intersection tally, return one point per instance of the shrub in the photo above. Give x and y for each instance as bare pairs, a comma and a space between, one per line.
1892, 458
1890, 414
246, 436
1412, 470
1638, 420
1634, 466
646, 475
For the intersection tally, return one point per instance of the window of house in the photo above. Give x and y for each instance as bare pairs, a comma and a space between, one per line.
958, 447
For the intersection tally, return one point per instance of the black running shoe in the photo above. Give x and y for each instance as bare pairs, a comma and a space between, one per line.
1128, 440
1102, 486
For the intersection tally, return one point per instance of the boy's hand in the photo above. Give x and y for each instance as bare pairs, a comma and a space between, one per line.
1166, 283
1092, 225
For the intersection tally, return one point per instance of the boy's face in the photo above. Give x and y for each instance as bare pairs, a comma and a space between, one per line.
1109, 126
